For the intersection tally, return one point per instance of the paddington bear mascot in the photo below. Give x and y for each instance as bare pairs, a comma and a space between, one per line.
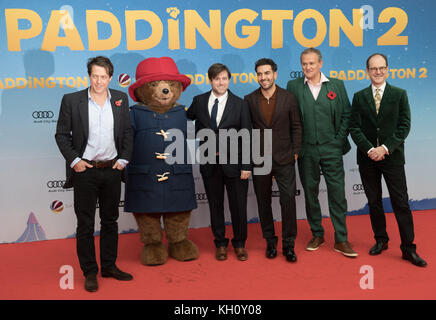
156, 189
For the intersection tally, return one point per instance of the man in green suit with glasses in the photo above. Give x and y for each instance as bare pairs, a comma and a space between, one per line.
380, 123
325, 112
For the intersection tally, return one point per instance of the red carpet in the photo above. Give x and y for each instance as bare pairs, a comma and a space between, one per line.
30, 271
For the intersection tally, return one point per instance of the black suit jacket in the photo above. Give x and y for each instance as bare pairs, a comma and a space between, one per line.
236, 116
285, 124
73, 128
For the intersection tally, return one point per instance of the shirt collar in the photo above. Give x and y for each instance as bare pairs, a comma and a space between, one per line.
382, 88
323, 79
108, 94
220, 99
274, 95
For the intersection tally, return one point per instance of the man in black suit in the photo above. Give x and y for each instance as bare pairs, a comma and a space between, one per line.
380, 123
95, 137
276, 109
220, 110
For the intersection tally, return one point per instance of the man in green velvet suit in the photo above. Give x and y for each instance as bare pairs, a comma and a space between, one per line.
325, 112
379, 125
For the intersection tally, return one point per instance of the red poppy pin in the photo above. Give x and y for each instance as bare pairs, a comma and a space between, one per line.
331, 95
118, 102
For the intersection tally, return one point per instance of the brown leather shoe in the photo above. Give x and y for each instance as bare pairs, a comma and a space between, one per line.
241, 254
315, 243
221, 253
345, 249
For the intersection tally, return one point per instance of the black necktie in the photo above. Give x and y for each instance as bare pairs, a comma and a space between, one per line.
213, 114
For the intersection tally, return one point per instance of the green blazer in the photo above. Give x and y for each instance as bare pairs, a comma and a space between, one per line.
391, 125
340, 108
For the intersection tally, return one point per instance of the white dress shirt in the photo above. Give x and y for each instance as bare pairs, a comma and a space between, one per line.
101, 142
316, 88
221, 105
382, 90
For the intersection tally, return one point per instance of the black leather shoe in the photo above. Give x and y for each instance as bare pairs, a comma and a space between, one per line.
116, 273
271, 250
378, 248
414, 258
91, 284
290, 255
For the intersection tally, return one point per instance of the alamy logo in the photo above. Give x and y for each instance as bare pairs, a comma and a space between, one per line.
66, 282
367, 280
367, 21
234, 147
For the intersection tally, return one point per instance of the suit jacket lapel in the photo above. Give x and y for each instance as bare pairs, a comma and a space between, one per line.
83, 112
256, 98
370, 101
330, 88
385, 99
332, 102
204, 105
300, 97
116, 111
279, 102
227, 108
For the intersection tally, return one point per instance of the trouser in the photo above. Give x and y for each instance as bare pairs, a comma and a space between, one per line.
395, 179
285, 178
237, 195
328, 159
103, 184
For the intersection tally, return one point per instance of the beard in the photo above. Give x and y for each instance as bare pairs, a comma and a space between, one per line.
267, 85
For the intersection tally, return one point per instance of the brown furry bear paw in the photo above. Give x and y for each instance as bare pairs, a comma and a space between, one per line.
154, 254
184, 250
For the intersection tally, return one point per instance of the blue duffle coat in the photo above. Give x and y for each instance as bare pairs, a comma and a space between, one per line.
144, 192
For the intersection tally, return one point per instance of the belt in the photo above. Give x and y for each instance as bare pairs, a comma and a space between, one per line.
101, 164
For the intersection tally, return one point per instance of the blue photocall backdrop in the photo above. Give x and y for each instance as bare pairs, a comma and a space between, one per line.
45, 45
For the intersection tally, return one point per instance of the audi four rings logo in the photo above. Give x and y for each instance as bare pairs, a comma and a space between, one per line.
120, 204
296, 74
200, 196
358, 187
42, 114
55, 184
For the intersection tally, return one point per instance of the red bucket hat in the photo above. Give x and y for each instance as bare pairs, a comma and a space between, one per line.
154, 69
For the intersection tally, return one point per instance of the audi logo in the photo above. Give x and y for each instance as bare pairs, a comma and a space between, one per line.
296, 74
120, 204
358, 187
42, 114
55, 184
200, 196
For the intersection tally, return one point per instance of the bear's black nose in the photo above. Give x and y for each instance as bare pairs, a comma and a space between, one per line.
165, 91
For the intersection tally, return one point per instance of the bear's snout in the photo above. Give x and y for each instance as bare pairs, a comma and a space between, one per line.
165, 91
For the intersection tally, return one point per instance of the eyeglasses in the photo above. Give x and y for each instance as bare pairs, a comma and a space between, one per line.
374, 69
